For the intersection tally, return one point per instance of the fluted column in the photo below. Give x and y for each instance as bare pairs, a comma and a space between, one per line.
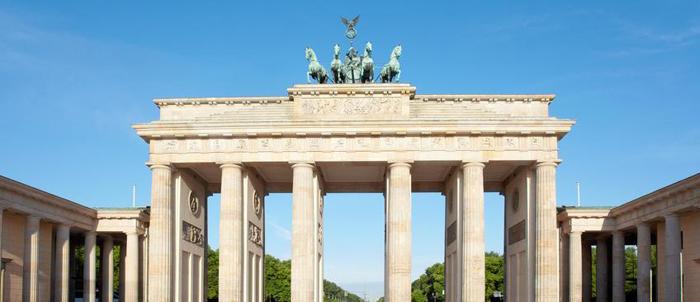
618, 266
107, 265
398, 234
31, 259
643, 262
231, 234
602, 270
672, 277
303, 231
89, 274
546, 236
586, 274
472, 203
160, 264
575, 267
62, 258
131, 275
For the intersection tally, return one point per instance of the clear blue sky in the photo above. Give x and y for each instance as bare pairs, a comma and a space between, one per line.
74, 75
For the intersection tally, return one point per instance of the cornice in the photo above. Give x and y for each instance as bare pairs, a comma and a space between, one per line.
488, 98
162, 102
43, 196
474, 127
692, 182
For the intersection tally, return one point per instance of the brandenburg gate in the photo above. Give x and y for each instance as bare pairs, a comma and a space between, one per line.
368, 137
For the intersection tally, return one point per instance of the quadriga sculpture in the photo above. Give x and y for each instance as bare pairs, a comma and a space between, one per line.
316, 71
392, 71
367, 65
337, 66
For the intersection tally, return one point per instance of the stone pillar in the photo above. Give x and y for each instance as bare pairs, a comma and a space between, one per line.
575, 267
107, 265
303, 229
31, 260
618, 266
602, 270
160, 264
643, 262
546, 235
62, 258
89, 274
586, 274
672, 273
231, 235
398, 234
131, 274
472, 203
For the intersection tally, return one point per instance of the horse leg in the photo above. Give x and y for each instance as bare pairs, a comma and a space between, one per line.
398, 75
308, 77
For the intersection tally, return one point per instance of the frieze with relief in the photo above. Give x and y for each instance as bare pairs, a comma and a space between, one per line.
356, 144
353, 106
192, 234
255, 234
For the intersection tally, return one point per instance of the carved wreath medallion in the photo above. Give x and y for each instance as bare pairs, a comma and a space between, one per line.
195, 207
257, 204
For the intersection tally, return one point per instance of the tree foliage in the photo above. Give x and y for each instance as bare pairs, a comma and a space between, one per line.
430, 286
212, 273
278, 281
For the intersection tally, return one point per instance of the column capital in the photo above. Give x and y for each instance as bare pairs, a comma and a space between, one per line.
232, 164
400, 163
132, 232
308, 164
548, 163
159, 165
480, 164
671, 215
34, 218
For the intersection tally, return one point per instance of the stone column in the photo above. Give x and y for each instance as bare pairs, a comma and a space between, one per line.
546, 236
31, 260
575, 267
231, 235
672, 277
586, 272
160, 264
472, 203
89, 274
398, 234
618, 266
643, 262
131, 274
602, 272
107, 265
303, 228
62, 258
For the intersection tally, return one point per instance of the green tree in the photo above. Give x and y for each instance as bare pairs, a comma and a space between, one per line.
212, 273
495, 273
278, 279
430, 285
332, 292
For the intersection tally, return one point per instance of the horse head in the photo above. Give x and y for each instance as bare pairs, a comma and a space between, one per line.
368, 49
396, 53
310, 55
336, 50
